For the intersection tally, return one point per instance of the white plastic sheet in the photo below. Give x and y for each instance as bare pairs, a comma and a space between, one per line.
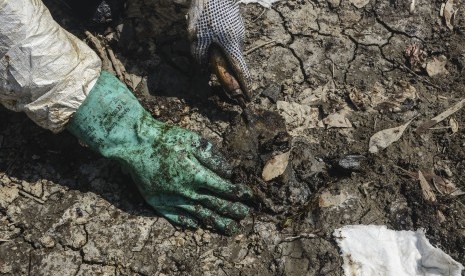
375, 250
44, 71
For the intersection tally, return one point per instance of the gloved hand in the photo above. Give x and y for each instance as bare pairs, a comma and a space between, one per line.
176, 171
218, 23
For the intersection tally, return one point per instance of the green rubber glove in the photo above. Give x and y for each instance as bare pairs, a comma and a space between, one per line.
177, 172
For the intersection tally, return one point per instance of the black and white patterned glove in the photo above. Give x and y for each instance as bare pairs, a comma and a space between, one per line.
218, 23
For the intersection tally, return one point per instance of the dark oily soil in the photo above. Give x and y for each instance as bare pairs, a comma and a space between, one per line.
75, 213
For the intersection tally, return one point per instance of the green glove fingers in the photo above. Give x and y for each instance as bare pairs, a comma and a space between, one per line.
208, 217
235, 210
171, 166
187, 212
219, 186
209, 156
175, 216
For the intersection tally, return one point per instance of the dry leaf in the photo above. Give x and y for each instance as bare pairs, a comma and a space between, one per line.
316, 96
454, 125
358, 99
396, 99
385, 138
327, 199
445, 186
437, 66
412, 6
298, 117
337, 120
275, 166
441, 216
428, 193
416, 57
447, 10
451, 110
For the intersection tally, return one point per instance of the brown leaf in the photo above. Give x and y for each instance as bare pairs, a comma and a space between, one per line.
428, 193
445, 186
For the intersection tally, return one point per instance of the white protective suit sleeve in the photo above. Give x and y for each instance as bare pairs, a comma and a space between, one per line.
45, 71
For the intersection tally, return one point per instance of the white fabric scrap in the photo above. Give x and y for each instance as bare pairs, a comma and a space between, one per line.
45, 71
375, 250
264, 3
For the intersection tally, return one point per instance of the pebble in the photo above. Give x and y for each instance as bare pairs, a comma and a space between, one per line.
47, 241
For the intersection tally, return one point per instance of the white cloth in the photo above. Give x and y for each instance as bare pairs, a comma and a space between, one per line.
375, 250
45, 71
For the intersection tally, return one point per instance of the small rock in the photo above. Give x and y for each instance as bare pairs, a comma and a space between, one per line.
179, 241
359, 3
272, 92
454, 125
351, 162
78, 239
198, 237
5, 268
8, 195
206, 238
47, 241
334, 3
239, 238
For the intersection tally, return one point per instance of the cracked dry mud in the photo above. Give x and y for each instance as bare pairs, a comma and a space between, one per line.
66, 211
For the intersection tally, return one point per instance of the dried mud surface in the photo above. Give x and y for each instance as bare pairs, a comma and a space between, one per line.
66, 211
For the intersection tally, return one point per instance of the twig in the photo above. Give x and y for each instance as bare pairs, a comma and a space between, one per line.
258, 47
116, 65
100, 49
436, 186
301, 236
260, 15
418, 76
407, 173
428, 124
439, 128
26, 194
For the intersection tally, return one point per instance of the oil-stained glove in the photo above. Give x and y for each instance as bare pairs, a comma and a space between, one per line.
217, 25
177, 171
